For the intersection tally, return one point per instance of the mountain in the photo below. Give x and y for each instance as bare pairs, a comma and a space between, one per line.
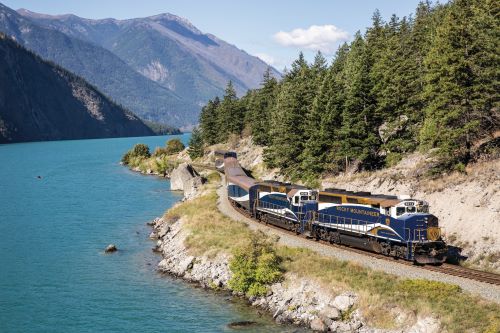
103, 69
42, 101
167, 49
160, 67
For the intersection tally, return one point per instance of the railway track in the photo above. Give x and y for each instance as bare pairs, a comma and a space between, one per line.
449, 269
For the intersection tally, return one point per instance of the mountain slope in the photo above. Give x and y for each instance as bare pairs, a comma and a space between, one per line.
167, 49
101, 68
41, 101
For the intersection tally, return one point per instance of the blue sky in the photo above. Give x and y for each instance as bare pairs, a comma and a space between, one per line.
275, 30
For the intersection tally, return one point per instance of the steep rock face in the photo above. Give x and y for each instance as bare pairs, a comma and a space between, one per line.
102, 68
41, 101
173, 52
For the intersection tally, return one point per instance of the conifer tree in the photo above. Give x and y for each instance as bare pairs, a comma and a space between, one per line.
358, 134
208, 122
260, 108
230, 115
459, 93
195, 148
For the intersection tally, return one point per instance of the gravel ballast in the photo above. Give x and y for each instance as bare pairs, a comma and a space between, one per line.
487, 291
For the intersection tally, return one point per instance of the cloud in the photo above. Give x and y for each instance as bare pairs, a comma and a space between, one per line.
322, 38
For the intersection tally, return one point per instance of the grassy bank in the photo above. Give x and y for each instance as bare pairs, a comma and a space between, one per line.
162, 161
382, 296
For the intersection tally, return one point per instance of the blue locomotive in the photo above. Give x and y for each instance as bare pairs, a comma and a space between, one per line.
397, 227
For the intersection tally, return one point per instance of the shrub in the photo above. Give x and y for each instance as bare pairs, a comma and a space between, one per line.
160, 151
141, 150
126, 157
255, 266
174, 146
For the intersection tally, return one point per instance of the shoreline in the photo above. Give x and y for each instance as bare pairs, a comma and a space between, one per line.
297, 300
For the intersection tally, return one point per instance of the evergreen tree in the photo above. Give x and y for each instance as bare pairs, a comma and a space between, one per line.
231, 115
209, 126
358, 134
195, 148
326, 115
288, 130
260, 108
460, 90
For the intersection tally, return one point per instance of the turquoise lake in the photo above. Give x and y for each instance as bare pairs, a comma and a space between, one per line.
54, 276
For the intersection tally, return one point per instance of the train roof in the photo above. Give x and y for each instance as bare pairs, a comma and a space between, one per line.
375, 199
235, 173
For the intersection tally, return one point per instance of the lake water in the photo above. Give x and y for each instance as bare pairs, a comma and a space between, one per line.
54, 276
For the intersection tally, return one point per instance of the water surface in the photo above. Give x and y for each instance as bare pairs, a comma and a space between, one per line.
54, 276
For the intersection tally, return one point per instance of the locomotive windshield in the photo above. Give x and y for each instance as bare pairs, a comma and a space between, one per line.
411, 207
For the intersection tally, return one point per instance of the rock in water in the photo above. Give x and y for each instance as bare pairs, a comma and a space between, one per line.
111, 248
241, 324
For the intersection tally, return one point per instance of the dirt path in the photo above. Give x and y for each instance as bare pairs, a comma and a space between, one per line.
487, 291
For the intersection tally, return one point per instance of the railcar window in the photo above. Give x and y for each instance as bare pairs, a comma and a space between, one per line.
400, 211
312, 197
411, 209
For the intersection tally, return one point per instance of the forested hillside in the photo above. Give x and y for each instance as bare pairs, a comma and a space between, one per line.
428, 81
41, 101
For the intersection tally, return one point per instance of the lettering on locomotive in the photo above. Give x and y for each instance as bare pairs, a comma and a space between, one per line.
358, 211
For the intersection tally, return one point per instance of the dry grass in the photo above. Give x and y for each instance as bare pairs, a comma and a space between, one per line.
383, 297
458, 311
210, 232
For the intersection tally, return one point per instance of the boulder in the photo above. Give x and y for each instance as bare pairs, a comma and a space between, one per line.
111, 248
318, 325
344, 302
181, 175
330, 312
185, 178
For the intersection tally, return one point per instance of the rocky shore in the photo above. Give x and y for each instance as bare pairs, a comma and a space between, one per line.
294, 300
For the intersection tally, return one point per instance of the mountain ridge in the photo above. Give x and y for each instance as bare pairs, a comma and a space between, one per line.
174, 53
42, 101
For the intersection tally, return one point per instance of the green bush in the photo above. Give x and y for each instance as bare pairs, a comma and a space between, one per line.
174, 146
160, 151
255, 266
141, 150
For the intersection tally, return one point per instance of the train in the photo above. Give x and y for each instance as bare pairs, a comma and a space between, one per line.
399, 227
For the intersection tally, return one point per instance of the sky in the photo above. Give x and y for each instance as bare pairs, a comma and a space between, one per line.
274, 30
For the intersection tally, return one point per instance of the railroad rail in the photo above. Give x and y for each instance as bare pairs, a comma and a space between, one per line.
449, 269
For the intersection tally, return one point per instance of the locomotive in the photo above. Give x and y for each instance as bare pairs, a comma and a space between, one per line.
390, 225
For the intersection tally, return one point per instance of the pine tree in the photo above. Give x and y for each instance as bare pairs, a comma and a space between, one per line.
457, 76
260, 108
208, 122
195, 149
326, 111
290, 114
358, 135
231, 115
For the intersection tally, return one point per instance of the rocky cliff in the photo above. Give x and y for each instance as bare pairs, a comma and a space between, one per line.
41, 101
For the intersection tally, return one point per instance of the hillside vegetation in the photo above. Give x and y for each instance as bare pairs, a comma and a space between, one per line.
427, 82
42, 101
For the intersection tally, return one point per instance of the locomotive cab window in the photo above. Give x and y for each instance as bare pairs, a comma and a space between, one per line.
304, 197
296, 200
411, 209
400, 211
